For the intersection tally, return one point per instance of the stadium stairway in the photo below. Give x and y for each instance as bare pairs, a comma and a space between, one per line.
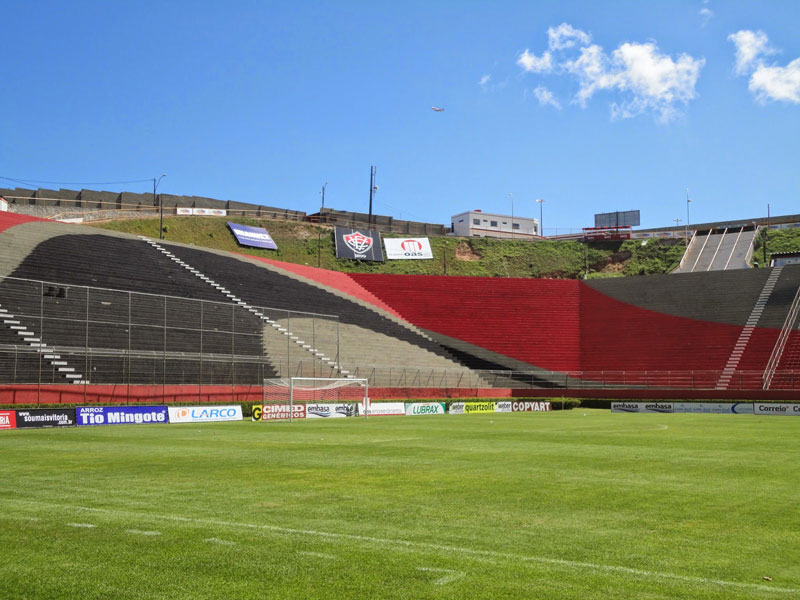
718, 251
320, 362
59, 366
747, 331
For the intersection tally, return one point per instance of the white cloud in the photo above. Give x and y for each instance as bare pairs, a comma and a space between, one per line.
546, 97
535, 64
750, 47
485, 81
566, 36
653, 81
706, 14
777, 83
767, 82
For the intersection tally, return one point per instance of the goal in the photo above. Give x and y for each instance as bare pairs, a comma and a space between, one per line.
292, 392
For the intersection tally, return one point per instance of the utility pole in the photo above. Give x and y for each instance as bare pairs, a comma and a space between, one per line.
765, 237
540, 201
160, 206
677, 222
319, 229
688, 200
510, 195
372, 189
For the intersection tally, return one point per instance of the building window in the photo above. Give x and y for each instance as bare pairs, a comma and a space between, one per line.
461, 220
505, 222
493, 223
515, 225
476, 221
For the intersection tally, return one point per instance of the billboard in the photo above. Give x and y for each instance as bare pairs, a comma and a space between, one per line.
386, 409
776, 409
408, 249
358, 244
255, 237
331, 411
624, 218
204, 414
425, 408
642, 407
45, 417
121, 415
202, 212
279, 412
8, 419
530, 406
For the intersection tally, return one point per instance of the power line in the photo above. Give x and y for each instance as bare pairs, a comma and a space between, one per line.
37, 181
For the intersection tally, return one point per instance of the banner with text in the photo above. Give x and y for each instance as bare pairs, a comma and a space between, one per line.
45, 417
502, 406
530, 406
385, 409
760, 408
8, 419
358, 244
331, 411
279, 412
202, 212
425, 408
408, 248
204, 414
718, 408
642, 407
256, 237
121, 415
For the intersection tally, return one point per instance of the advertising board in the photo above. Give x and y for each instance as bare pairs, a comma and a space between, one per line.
425, 408
385, 409
408, 248
478, 407
121, 415
642, 407
763, 408
502, 406
718, 408
45, 417
456, 408
331, 411
8, 419
256, 237
279, 412
358, 244
204, 414
530, 406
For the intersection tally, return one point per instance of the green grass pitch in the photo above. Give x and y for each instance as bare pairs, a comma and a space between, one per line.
575, 504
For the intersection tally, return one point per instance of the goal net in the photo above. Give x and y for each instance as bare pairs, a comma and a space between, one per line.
287, 397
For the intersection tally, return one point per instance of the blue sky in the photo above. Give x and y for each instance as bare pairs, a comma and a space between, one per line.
593, 106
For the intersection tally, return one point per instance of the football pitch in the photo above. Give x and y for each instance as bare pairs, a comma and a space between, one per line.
574, 504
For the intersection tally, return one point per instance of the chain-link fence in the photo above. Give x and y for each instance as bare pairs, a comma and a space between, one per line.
56, 333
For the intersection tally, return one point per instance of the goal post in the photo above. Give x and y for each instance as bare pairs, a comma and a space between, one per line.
290, 392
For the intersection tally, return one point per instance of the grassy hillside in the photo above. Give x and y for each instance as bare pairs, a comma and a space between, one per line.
778, 240
483, 257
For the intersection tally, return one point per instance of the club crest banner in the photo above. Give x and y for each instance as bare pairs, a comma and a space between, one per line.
359, 244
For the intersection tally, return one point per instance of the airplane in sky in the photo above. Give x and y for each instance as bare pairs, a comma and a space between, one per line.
437, 109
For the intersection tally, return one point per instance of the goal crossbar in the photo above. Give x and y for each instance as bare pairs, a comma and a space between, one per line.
293, 391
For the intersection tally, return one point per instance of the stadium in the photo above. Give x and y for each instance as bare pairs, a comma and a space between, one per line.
109, 328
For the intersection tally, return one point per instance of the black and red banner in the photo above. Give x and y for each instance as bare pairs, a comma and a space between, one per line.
358, 244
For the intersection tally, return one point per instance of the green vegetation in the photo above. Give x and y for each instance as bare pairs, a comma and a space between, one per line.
778, 240
571, 504
482, 257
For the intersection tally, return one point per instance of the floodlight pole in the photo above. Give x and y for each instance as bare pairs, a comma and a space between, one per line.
372, 189
160, 206
510, 195
688, 201
765, 236
319, 231
540, 201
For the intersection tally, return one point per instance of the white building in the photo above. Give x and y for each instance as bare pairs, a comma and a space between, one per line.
476, 223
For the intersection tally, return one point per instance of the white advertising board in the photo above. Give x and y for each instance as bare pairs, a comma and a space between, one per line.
202, 212
425, 408
456, 408
718, 408
763, 408
204, 414
530, 406
408, 248
642, 407
330, 411
502, 406
385, 409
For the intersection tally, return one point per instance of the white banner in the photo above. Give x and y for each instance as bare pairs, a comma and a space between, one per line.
204, 414
385, 409
425, 408
530, 406
717, 408
3, 204
456, 408
202, 212
408, 248
331, 411
502, 406
642, 407
760, 408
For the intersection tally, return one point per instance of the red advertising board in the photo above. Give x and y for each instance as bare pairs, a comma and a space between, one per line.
8, 419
